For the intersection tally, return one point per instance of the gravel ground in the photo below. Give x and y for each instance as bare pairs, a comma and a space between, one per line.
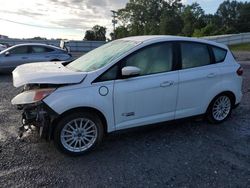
181, 154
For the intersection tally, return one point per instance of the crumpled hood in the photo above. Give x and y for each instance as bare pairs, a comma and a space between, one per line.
45, 73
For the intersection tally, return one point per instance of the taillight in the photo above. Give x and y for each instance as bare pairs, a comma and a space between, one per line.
240, 71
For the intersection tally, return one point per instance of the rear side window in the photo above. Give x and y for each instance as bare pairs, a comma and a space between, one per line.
194, 55
219, 54
40, 49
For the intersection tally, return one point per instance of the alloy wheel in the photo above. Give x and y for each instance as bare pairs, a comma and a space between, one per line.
79, 134
221, 108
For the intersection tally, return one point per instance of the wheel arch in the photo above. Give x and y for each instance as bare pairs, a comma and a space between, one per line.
80, 109
228, 93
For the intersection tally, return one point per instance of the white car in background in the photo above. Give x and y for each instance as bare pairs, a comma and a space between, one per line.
127, 83
2, 47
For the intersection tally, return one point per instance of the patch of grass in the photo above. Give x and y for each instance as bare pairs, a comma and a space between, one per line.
240, 47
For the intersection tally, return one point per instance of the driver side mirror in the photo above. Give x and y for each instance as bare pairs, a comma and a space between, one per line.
7, 53
130, 71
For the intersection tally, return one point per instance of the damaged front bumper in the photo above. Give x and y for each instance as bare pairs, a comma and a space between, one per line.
35, 111
39, 115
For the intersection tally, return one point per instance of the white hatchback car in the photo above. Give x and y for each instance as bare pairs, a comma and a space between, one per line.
127, 83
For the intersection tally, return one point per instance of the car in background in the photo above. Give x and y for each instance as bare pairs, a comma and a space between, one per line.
2, 47
20, 54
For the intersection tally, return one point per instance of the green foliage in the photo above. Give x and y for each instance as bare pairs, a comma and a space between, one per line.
89, 35
192, 16
208, 30
171, 22
171, 17
121, 32
243, 23
240, 47
141, 17
228, 12
98, 33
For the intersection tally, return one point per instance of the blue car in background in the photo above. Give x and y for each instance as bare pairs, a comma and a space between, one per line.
2, 47
20, 54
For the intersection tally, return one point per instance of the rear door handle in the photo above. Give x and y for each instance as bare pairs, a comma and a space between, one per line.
167, 84
211, 75
24, 57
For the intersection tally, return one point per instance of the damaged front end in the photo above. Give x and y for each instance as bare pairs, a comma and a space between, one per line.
35, 111
39, 81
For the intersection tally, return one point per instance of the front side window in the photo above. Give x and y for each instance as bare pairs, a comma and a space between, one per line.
20, 50
219, 54
153, 59
111, 74
102, 56
194, 55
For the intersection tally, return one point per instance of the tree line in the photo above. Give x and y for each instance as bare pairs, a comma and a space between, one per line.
171, 17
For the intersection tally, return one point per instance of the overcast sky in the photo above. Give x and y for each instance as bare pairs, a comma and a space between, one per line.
64, 18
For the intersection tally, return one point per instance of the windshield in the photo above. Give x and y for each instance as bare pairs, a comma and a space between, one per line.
101, 56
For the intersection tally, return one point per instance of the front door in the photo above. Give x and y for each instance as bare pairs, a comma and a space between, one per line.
151, 96
17, 56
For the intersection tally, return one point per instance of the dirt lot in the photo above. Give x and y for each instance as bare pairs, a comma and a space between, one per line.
182, 154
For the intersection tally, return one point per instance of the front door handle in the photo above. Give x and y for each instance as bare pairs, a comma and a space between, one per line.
24, 57
167, 83
211, 75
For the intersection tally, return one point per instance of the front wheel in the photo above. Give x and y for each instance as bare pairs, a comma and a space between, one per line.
219, 109
78, 133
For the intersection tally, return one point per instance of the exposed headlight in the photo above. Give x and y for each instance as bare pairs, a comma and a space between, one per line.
31, 96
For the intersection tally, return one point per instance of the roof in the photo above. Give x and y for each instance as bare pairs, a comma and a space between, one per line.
30, 44
35, 44
158, 38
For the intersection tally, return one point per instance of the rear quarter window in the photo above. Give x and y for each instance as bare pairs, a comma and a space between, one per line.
219, 54
49, 50
40, 49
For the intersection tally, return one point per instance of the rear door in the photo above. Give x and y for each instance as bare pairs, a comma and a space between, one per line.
198, 76
41, 53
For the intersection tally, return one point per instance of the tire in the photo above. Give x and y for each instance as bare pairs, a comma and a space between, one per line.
219, 109
78, 133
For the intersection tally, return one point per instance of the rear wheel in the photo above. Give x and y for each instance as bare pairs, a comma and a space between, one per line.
78, 133
219, 109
